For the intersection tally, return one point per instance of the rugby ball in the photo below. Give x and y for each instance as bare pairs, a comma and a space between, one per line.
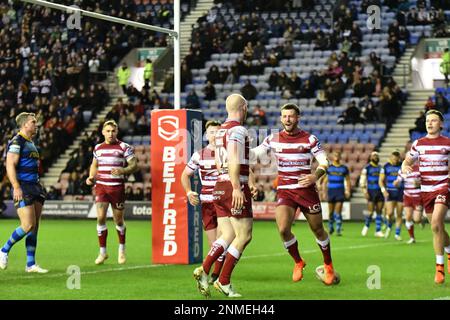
320, 274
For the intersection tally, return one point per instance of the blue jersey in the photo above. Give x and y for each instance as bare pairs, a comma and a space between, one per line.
391, 173
27, 168
336, 176
373, 174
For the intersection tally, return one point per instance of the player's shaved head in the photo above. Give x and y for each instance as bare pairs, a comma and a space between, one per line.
235, 103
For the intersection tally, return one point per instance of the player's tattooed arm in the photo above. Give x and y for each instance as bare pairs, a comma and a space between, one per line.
130, 168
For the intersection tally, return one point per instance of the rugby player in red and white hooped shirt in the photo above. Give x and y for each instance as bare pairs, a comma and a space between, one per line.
432, 152
411, 199
294, 150
113, 160
204, 162
232, 197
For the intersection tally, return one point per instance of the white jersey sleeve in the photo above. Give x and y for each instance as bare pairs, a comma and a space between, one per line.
413, 152
194, 162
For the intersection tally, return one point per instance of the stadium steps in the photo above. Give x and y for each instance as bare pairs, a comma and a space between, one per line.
202, 8
52, 176
401, 72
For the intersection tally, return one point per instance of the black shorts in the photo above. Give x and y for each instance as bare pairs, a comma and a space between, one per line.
376, 196
395, 195
32, 192
336, 195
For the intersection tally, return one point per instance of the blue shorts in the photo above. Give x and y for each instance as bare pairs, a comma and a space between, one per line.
336, 195
32, 192
376, 196
395, 195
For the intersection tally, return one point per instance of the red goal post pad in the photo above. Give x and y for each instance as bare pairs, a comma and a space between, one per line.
176, 225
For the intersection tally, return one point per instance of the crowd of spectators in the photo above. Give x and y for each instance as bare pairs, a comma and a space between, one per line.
51, 70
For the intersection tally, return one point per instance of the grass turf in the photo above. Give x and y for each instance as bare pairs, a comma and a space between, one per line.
264, 272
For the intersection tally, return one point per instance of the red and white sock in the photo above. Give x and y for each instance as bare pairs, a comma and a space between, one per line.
218, 247
325, 247
410, 227
219, 264
292, 247
231, 260
121, 232
102, 233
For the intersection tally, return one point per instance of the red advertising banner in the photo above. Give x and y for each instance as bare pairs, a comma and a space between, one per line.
176, 226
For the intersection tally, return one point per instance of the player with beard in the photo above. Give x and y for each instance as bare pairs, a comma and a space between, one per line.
294, 150
372, 192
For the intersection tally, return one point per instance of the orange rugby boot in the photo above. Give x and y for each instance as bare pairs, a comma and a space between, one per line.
297, 274
439, 277
330, 276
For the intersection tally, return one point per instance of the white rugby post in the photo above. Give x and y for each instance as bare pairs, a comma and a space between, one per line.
175, 34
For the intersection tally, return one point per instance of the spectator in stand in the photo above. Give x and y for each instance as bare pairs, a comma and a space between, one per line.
148, 194
210, 91
54, 194
273, 81
420, 124
123, 76
192, 100
213, 75
429, 104
129, 193
351, 115
258, 117
249, 91
260, 195
441, 103
138, 194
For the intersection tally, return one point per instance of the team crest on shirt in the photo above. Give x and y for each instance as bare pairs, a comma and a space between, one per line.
444, 151
300, 148
116, 153
278, 149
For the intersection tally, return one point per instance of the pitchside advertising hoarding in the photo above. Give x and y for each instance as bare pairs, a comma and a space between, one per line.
176, 225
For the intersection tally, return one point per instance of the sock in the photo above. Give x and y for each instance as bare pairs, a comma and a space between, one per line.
331, 222
102, 233
447, 249
378, 221
121, 232
17, 235
218, 247
325, 247
338, 218
389, 224
439, 259
397, 231
385, 221
410, 227
231, 260
219, 264
30, 244
367, 221
292, 247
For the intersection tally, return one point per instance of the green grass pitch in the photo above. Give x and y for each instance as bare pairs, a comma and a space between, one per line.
264, 272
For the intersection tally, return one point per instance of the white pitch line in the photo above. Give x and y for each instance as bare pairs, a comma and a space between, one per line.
57, 275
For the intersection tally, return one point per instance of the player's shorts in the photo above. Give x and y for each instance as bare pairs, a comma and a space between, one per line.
336, 195
429, 199
209, 216
395, 195
375, 196
412, 202
223, 196
110, 194
32, 192
307, 199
